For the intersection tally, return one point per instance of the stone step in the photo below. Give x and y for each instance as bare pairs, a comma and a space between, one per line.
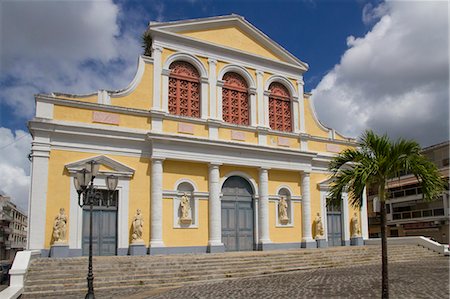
150, 269
168, 271
187, 260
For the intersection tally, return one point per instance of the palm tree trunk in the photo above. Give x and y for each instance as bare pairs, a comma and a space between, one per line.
384, 253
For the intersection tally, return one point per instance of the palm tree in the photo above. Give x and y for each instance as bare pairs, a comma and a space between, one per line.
374, 162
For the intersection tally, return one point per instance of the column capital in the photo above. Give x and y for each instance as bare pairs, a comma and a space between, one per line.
220, 83
157, 48
263, 169
158, 159
214, 165
212, 61
165, 72
306, 173
259, 73
300, 81
266, 93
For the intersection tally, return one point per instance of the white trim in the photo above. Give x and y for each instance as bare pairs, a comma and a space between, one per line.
119, 169
37, 206
44, 109
184, 56
232, 20
242, 174
364, 218
239, 70
184, 180
283, 80
212, 88
345, 218
142, 60
157, 71
194, 211
76, 213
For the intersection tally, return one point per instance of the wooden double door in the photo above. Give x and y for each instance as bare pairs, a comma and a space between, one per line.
104, 227
237, 215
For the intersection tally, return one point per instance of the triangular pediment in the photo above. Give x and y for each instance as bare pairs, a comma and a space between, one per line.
107, 166
325, 184
231, 31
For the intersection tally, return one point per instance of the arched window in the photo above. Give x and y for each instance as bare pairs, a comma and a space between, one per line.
235, 107
184, 89
280, 118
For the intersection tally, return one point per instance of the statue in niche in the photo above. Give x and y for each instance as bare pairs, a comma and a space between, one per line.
138, 227
282, 210
60, 228
185, 205
319, 227
355, 226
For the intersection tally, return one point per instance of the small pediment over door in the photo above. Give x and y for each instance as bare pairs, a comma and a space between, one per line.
107, 166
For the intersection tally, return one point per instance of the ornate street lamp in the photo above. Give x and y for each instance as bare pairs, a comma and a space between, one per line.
84, 184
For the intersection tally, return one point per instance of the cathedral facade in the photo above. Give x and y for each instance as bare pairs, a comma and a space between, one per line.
215, 144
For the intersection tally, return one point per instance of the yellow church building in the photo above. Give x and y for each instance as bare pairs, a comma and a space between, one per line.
214, 141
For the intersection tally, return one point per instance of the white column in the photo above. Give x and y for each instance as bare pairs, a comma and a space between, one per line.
38, 193
307, 240
156, 208
219, 99
212, 88
165, 90
157, 69
266, 108
364, 220
204, 98
295, 110
263, 223
215, 221
301, 106
345, 219
252, 93
260, 97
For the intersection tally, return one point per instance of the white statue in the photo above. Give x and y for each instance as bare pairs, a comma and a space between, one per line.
138, 227
60, 228
319, 227
185, 205
355, 226
282, 210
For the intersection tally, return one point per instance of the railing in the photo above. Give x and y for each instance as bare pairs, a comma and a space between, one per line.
405, 192
418, 214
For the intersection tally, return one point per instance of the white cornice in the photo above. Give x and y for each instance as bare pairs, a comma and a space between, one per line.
228, 21
88, 105
201, 48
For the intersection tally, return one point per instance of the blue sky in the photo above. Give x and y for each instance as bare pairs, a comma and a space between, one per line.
373, 64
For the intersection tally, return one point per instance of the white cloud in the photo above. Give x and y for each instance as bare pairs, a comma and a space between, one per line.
66, 46
15, 166
395, 78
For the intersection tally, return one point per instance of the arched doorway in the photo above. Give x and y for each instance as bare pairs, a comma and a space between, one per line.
237, 214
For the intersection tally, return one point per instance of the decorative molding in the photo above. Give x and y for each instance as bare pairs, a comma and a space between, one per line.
117, 168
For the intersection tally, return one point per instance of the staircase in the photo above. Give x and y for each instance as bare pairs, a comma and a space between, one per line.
117, 276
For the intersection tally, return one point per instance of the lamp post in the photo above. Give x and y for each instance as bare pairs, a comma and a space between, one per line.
87, 195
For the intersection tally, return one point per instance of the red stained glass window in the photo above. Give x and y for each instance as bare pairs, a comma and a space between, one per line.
280, 108
235, 106
184, 90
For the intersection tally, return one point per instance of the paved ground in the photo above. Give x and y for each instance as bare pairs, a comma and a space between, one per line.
422, 279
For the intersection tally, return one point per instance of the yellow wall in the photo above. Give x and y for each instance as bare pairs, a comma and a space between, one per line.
317, 146
285, 234
141, 97
234, 38
89, 99
312, 127
59, 183
171, 126
278, 178
252, 172
250, 137
185, 236
73, 114
176, 170
273, 141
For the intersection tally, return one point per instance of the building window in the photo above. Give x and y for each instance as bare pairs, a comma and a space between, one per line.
280, 118
184, 90
235, 106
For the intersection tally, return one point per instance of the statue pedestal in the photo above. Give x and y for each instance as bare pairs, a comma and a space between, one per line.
59, 250
185, 221
322, 243
356, 241
138, 248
